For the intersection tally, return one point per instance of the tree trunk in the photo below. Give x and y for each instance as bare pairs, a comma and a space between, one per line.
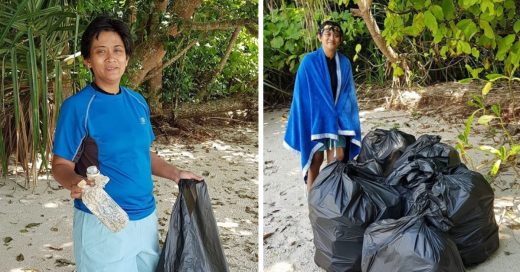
218, 108
365, 13
154, 91
203, 94
149, 53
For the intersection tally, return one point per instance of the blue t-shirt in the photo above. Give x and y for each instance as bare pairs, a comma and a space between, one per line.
114, 133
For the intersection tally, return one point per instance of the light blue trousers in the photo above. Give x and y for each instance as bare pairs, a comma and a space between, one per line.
97, 249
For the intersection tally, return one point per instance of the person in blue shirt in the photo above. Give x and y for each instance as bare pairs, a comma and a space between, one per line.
108, 125
324, 115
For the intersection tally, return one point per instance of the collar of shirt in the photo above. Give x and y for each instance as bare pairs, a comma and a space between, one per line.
97, 88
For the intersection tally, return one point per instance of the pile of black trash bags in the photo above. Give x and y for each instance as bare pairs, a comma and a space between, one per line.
403, 205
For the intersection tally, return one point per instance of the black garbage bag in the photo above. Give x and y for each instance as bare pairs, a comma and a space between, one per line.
192, 242
469, 199
384, 146
340, 209
370, 170
413, 173
410, 176
415, 243
409, 244
429, 146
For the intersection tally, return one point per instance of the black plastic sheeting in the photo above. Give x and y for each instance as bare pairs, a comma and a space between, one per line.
429, 146
415, 243
385, 147
469, 199
192, 242
408, 177
340, 209
409, 244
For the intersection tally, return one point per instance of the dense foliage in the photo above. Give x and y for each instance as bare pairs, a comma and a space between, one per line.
40, 63
438, 39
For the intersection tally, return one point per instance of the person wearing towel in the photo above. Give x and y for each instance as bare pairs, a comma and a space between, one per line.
324, 114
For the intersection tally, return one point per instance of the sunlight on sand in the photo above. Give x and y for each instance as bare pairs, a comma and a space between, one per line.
229, 224
171, 153
220, 146
20, 269
50, 205
281, 267
245, 233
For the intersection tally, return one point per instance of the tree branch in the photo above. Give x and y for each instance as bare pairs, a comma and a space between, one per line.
157, 70
365, 12
222, 63
188, 25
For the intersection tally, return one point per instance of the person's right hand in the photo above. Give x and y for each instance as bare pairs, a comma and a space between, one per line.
76, 191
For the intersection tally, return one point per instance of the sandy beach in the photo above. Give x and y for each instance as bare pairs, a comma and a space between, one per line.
288, 243
36, 226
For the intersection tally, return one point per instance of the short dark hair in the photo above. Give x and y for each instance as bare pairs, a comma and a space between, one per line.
330, 23
105, 23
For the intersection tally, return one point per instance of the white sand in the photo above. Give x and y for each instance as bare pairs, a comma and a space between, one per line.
289, 246
230, 170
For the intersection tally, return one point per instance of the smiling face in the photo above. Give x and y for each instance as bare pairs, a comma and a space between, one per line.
330, 38
107, 59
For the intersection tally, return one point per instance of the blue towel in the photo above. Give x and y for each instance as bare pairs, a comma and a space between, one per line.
315, 115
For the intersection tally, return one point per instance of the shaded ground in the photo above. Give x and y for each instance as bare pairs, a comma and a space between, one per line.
288, 235
36, 228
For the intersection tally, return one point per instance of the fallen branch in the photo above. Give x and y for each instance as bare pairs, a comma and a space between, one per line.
227, 119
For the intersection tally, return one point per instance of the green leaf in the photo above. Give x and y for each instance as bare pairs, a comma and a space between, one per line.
462, 138
516, 26
495, 168
485, 119
489, 149
495, 108
487, 88
430, 21
494, 77
437, 11
418, 4
358, 48
514, 150
503, 153
474, 72
468, 3
475, 53
487, 5
465, 81
440, 34
417, 26
467, 128
444, 50
448, 8
476, 101
277, 42
398, 71
504, 45
465, 47
468, 27
488, 31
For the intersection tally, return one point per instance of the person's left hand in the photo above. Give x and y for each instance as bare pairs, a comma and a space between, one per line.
189, 175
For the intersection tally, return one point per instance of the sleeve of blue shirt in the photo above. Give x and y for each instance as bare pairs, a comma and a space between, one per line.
70, 130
